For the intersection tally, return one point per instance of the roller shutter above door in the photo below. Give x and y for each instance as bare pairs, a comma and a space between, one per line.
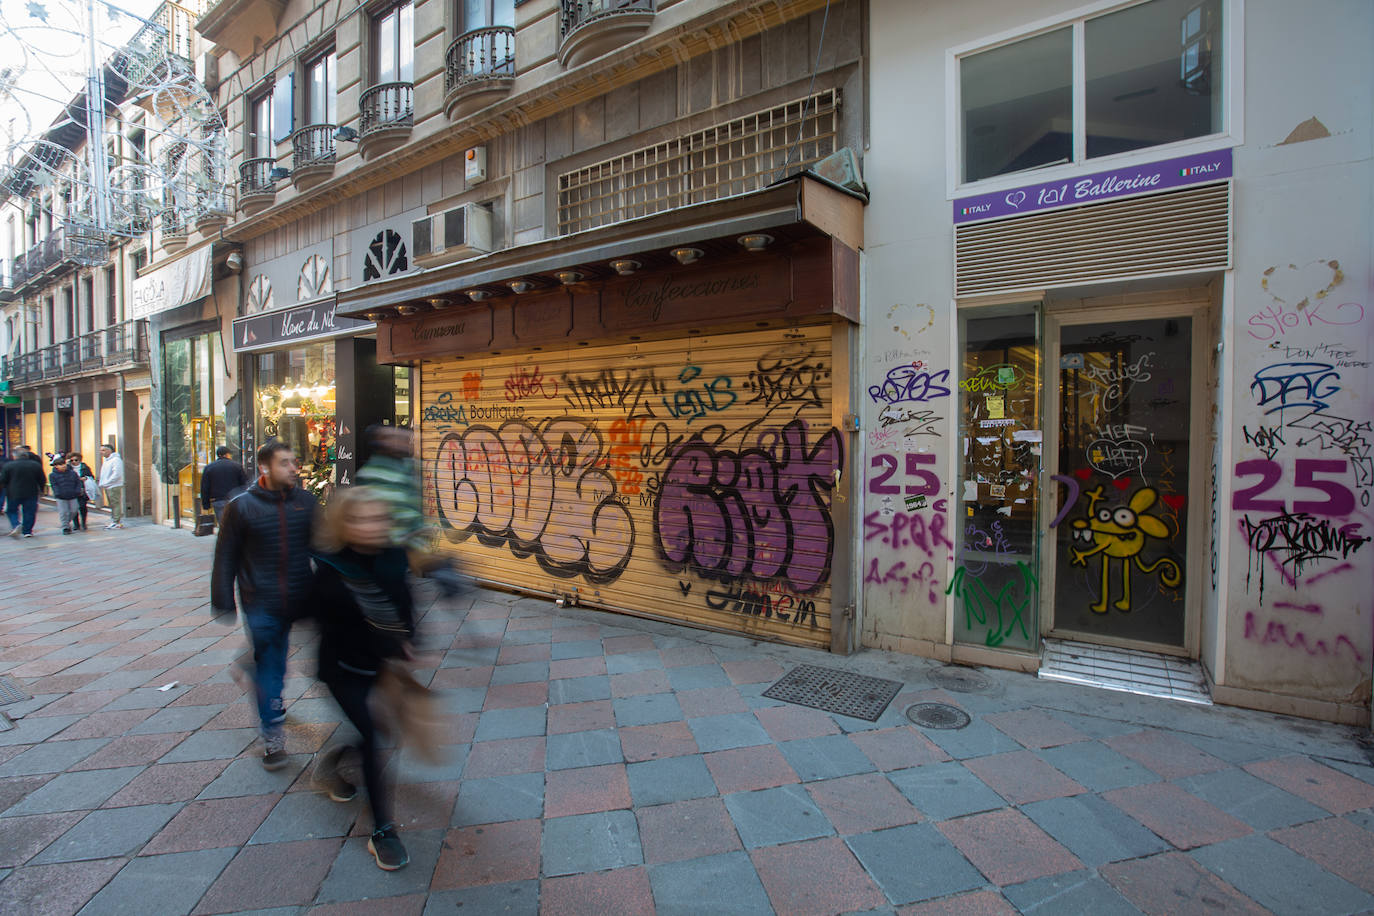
687, 479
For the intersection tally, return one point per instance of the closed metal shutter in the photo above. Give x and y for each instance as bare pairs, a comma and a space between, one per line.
687, 479
1153, 235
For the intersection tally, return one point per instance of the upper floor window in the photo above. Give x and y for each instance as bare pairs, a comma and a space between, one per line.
260, 127
479, 14
321, 82
1149, 74
111, 297
393, 45
271, 118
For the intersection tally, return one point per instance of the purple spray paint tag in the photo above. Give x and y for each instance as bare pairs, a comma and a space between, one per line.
1086, 189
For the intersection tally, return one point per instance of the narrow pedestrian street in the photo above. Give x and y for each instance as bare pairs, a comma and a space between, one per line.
603, 764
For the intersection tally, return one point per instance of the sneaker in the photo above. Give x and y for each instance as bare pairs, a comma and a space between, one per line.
119, 526
328, 780
28, 535
274, 755
111, 525
66, 531
386, 848
15, 532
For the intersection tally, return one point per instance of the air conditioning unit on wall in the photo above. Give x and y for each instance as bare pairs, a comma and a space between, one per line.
451, 235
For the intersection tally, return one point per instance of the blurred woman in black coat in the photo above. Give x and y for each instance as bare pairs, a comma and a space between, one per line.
366, 615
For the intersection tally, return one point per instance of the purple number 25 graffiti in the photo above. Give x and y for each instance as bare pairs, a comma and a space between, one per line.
1339, 499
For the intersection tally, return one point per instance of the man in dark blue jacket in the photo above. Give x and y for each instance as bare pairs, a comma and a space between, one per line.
67, 490
220, 480
23, 481
264, 545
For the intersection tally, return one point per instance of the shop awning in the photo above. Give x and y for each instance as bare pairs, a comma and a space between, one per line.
798, 209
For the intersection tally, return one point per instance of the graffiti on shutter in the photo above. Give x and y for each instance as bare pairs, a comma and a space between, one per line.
689, 479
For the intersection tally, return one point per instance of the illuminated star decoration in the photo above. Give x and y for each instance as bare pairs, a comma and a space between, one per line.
38, 11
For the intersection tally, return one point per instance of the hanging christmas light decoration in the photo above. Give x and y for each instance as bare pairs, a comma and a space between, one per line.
154, 153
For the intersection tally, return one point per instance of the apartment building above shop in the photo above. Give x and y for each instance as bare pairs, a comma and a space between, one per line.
320, 110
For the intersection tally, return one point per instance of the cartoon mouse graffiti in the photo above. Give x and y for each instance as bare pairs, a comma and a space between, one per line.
1121, 534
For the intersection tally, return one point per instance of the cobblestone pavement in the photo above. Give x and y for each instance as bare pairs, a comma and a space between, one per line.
601, 764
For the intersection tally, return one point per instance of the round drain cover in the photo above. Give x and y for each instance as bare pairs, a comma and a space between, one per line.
937, 715
961, 679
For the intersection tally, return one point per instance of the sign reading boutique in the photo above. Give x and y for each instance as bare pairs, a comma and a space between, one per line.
288, 326
1122, 182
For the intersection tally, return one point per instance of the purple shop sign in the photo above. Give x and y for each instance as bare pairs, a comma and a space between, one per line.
1085, 189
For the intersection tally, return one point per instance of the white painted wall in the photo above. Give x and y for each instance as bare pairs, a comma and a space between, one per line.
1301, 209
1298, 207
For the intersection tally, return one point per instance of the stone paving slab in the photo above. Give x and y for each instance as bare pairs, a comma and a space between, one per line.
598, 763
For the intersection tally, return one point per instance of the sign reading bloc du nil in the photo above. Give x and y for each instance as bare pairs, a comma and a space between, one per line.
1086, 189
288, 326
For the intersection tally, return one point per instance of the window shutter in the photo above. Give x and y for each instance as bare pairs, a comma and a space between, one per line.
283, 108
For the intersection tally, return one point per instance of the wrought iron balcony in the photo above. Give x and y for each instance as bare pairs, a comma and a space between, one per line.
479, 66
257, 187
312, 155
388, 111
173, 228
120, 346
590, 28
73, 244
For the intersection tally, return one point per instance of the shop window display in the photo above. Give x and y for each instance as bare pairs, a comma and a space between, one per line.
193, 393
295, 401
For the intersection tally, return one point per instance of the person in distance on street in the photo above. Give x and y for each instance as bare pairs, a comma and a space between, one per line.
67, 490
23, 481
89, 490
220, 480
264, 546
366, 616
112, 484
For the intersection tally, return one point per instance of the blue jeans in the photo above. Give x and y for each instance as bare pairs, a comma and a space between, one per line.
268, 633
30, 510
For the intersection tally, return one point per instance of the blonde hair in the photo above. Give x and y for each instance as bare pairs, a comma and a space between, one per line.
343, 504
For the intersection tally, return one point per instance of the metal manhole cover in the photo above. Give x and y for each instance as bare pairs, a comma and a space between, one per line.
10, 692
937, 715
835, 691
961, 679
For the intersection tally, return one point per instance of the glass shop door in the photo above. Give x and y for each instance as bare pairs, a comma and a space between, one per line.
1119, 487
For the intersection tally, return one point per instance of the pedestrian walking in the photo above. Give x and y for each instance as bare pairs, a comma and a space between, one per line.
89, 488
394, 476
112, 484
66, 490
220, 480
264, 546
365, 613
23, 481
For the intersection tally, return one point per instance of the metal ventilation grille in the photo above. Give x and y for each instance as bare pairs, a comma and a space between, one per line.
1171, 232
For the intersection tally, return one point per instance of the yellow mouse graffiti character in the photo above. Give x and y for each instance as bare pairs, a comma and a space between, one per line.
1121, 535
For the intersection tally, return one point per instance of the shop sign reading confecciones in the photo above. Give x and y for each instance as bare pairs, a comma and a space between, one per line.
288, 326
1122, 182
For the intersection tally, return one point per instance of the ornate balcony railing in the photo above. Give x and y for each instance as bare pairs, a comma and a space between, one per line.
119, 346
312, 146
172, 224
386, 105
479, 56
73, 244
577, 13
255, 176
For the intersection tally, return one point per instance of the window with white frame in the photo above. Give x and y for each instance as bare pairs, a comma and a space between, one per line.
321, 80
1141, 76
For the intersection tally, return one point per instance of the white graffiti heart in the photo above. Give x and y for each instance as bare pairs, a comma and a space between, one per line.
1115, 457
1016, 199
